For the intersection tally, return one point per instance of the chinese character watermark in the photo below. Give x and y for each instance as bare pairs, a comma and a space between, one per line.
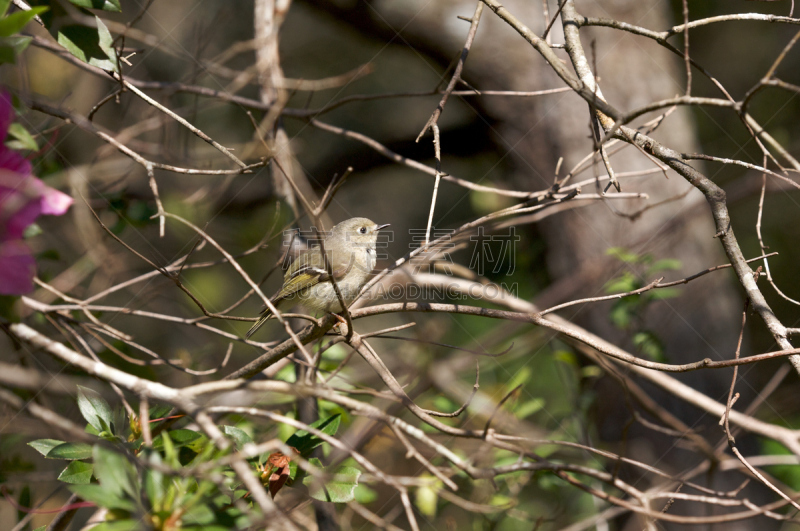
486, 254
435, 257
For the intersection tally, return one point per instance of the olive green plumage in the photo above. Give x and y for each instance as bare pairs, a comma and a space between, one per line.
350, 247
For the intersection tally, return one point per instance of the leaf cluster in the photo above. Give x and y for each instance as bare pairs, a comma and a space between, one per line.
158, 486
627, 313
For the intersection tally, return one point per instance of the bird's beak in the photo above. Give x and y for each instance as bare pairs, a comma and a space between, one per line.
379, 227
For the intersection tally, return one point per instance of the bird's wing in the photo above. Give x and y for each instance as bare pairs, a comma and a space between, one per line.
309, 270
295, 280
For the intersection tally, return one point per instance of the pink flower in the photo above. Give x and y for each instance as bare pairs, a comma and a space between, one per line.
23, 198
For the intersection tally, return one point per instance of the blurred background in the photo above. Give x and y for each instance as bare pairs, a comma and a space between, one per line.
407, 50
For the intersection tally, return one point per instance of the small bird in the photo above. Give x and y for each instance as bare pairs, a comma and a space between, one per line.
350, 247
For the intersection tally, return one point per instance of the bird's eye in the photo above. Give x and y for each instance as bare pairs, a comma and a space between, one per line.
362, 230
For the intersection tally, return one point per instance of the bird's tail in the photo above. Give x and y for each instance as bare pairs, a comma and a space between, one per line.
265, 315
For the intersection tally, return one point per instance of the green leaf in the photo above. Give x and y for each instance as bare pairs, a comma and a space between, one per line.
10, 48
788, 474
7, 53
200, 514
159, 412
623, 255
529, 408
32, 230
115, 473
106, 41
286, 374
298, 475
170, 452
284, 430
305, 441
340, 488
591, 371
622, 284
566, 356
522, 377
443, 403
24, 140
426, 499
94, 409
48, 254
4, 7
623, 312
336, 352
70, 451
105, 5
664, 265
178, 438
14, 22
103, 497
90, 45
666, 293
648, 344
42, 528
23, 501
239, 436
620, 316
365, 495
77, 473
154, 484
546, 450
500, 500
43, 446
119, 525
8, 308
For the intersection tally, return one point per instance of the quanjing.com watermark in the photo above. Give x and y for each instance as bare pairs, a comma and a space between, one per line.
431, 274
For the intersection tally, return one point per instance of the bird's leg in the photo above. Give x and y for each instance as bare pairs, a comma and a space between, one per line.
342, 321
340, 318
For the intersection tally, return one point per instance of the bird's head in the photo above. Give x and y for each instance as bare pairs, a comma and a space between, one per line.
358, 231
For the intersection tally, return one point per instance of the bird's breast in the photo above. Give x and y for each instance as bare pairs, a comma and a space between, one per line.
370, 259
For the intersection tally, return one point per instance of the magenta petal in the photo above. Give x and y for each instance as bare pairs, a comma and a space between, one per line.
11, 160
54, 203
20, 220
17, 268
23, 198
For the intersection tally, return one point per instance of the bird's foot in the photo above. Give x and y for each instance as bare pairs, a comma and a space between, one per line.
342, 324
